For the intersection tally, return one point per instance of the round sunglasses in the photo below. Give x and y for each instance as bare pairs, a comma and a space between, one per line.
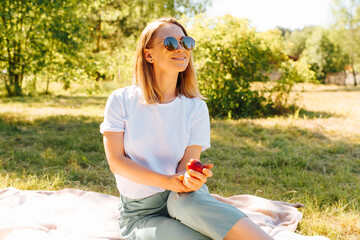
171, 44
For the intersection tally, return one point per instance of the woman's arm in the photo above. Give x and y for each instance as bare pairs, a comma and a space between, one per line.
193, 151
125, 167
196, 180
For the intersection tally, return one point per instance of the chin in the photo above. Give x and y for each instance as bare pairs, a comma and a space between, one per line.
181, 68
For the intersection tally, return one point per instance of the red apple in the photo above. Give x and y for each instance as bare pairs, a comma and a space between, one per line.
195, 165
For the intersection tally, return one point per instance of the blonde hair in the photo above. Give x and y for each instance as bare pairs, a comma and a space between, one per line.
144, 72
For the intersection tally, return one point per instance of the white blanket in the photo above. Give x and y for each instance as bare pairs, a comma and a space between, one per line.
76, 214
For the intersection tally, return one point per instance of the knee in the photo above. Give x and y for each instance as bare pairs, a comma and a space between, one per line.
181, 204
177, 201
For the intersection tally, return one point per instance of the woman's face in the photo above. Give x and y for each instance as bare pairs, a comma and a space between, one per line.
162, 59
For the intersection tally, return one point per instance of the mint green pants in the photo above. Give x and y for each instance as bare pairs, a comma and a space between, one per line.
183, 216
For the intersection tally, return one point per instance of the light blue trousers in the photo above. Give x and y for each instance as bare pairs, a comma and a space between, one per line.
172, 216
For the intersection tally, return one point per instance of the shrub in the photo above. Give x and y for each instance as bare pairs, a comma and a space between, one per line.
231, 57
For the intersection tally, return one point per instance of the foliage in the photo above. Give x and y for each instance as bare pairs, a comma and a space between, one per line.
295, 41
319, 47
35, 35
324, 55
114, 21
346, 15
230, 58
70, 41
284, 31
297, 72
116, 25
292, 72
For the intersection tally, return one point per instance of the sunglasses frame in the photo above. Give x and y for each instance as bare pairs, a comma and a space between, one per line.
178, 42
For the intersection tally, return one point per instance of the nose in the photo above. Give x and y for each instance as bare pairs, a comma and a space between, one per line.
180, 47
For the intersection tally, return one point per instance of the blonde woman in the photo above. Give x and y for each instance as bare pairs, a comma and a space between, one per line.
151, 130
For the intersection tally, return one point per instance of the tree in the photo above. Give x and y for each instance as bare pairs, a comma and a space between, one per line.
284, 31
324, 55
346, 14
57, 37
295, 41
39, 34
233, 63
116, 25
115, 20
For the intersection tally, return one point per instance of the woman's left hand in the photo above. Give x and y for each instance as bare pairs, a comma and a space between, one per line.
195, 180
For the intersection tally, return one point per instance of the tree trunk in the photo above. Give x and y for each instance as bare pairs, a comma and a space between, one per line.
98, 32
13, 84
352, 67
17, 84
8, 86
354, 74
34, 82
47, 85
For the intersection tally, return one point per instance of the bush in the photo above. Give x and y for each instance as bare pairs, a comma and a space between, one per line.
291, 73
323, 55
231, 57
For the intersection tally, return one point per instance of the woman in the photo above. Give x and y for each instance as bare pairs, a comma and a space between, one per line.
151, 130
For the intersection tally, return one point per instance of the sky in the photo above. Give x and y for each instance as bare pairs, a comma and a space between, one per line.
268, 14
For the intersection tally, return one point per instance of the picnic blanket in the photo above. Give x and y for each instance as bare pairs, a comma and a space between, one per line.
79, 215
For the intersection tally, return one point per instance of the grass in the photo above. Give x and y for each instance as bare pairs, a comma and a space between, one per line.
311, 157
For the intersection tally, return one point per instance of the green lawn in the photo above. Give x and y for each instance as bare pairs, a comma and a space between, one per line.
311, 157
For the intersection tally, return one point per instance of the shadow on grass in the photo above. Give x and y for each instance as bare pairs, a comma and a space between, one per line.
58, 101
66, 146
343, 89
278, 160
255, 140
332, 88
99, 101
247, 158
303, 113
294, 111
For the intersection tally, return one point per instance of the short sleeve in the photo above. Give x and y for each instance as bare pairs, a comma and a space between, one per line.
114, 117
200, 127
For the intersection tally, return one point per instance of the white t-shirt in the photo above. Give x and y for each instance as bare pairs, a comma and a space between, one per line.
155, 135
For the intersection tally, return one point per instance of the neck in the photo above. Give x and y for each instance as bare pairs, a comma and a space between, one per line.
166, 81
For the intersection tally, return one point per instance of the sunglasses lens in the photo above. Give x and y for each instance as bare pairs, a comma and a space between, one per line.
170, 43
188, 43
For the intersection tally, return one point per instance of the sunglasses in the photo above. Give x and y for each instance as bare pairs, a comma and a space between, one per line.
171, 44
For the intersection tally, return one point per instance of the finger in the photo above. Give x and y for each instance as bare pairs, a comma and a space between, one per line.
202, 177
194, 183
191, 183
180, 177
185, 184
188, 186
207, 172
208, 165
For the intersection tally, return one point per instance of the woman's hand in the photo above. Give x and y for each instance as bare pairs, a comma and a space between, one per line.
175, 184
195, 180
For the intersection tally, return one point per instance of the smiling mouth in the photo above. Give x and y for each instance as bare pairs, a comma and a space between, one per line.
179, 58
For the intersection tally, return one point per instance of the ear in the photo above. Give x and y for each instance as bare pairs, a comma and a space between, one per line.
148, 56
